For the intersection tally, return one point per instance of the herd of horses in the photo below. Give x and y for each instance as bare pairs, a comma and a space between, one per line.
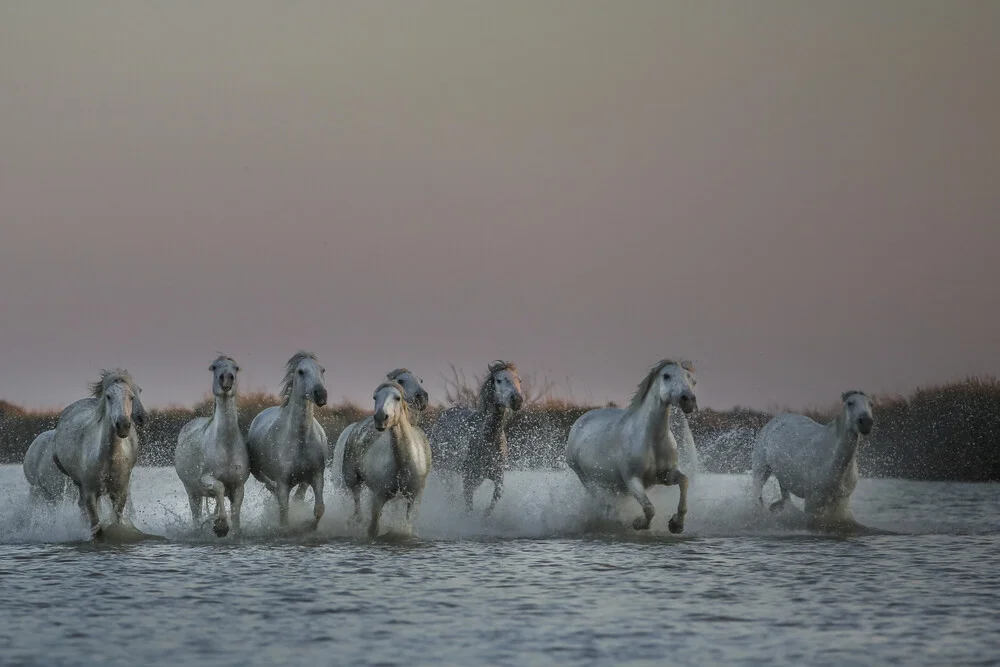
615, 452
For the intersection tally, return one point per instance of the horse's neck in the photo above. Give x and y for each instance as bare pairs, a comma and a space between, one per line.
845, 449
225, 417
493, 422
653, 421
298, 417
404, 446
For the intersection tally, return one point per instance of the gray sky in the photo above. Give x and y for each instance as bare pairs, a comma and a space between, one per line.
802, 197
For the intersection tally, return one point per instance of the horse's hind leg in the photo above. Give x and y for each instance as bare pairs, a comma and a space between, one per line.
217, 490
675, 476
759, 477
779, 504
194, 502
300, 492
638, 492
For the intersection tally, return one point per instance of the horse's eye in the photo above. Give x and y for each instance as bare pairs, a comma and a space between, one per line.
301, 372
666, 376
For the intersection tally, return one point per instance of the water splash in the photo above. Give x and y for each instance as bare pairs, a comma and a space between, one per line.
536, 504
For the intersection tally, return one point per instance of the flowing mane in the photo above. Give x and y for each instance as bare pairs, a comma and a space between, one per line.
394, 374
643, 388
108, 378
486, 387
392, 384
286, 382
847, 394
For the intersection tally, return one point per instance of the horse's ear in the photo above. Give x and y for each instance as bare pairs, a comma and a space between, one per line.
688, 366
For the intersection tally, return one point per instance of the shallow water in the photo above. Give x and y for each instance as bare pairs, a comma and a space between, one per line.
543, 582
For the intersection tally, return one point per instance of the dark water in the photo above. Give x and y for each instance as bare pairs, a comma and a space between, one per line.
541, 584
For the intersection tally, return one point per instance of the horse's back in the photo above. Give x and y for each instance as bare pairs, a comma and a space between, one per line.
40, 469
592, 450
788, 446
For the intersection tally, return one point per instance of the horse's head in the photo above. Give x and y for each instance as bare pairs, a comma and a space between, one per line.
390, 404
304, 378
139, 414
116, 391
502, 387
858, 411
224, 371
413, 388
675, 384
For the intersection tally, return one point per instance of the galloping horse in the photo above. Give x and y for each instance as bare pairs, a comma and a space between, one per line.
96, 446
626, 451
211, 457
387, 454
475, 443
815, 462
287, 446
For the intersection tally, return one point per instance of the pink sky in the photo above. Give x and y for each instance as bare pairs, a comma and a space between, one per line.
803, 198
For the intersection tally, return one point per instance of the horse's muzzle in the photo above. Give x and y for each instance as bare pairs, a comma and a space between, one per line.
422, 400
122, 427
865, 425
380, 422
516, 402
688, 403
319, 397
226, 382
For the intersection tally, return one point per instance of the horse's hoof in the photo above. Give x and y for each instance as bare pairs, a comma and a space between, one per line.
642, 523
675, 526
220, 527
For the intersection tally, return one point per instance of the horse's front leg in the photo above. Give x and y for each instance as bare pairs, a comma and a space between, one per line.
638, 491
118, 501
281, 490
469, 485
378, 500
497, 492
89, 502
675, 476
217, 490
236, 504
320, 506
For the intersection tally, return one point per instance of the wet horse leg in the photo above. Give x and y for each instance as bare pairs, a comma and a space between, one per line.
282, 490
470, 483
638, 491
217, 490
236, 504
378, 500
320, 506
497, 492
89, 502
300, 492
675, 476
779, 504
195, 502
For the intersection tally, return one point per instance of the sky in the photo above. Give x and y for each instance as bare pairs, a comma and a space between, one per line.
800, 197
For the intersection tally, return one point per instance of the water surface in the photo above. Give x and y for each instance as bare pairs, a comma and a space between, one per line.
544, 582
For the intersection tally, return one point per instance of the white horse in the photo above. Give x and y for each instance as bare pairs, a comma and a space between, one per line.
413, 393
46, 481
626, 451
815, 462
388, 455
287, 446
211, 457
96, 446
475, 443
